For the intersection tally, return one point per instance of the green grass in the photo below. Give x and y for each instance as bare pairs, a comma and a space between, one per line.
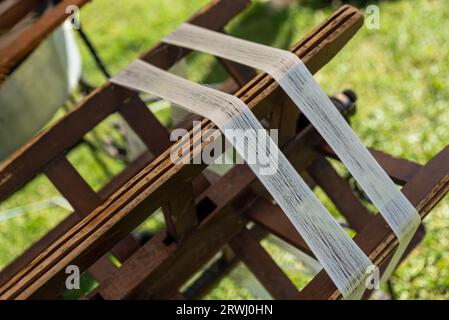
400, 72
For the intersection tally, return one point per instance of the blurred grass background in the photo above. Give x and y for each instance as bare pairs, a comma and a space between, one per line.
400, 72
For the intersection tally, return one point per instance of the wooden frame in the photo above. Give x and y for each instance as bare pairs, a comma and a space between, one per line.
206, 215
30, 38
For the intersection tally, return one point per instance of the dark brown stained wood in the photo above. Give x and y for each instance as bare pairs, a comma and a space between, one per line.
145, 259
146, 191
72, 186
400, 170
102, 270
145, 125
65, 225
339, 191
55, 140
377, 240
15, 13
84, 200
125, 248
180, 211
96, 107
287, 119
31, 37
417, 238
271, 218
130, 171
145, 276
250, 252
201, 183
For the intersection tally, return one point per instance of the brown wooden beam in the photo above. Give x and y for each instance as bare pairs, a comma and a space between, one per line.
20, 47
28, 160
400, 170
377, 240
339, 191
152, 190
270, 275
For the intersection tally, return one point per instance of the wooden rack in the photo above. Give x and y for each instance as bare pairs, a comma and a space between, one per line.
204, 215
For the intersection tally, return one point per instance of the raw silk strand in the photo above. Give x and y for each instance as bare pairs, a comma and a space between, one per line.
296, 80
342, 259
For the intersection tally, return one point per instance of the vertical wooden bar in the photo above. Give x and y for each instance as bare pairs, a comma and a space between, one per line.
284, 118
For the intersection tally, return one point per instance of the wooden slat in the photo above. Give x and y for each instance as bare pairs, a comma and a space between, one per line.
130, 171
145, 125
102, 270
400, 170
72, 186
180, 211
30, 38
158, 277
339, 191
57, 139
377, 240
84, 200
263, 267
271, 218
153, 189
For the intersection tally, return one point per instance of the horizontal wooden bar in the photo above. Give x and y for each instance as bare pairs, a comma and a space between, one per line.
72, 186
57, 139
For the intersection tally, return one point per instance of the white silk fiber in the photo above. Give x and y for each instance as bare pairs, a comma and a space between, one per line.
337, 252
296, 80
